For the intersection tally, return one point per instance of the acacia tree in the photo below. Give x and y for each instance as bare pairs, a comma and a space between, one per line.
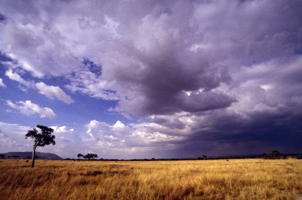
43, 136
80, 155
275, 154
15, 156
90, 156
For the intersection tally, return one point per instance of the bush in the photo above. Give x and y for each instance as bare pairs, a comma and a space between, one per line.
298, 156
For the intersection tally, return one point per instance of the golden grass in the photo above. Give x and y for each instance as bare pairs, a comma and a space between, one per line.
203, 179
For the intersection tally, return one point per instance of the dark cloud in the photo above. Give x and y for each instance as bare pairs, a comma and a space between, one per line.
173, 124
212, 76
2, 18
227, 133
198, 52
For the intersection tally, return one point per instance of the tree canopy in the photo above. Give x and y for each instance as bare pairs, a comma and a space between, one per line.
43, 136
90, 156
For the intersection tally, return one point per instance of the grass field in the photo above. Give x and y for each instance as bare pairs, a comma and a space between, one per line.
200, 179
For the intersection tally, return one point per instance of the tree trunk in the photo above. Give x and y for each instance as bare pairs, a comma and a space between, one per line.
33, 156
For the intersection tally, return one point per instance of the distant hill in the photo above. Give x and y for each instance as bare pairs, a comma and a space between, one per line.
39, 155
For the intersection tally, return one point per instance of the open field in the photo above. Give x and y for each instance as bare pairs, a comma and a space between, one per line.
200, 179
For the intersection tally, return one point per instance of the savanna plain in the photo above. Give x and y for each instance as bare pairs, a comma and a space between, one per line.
190, 179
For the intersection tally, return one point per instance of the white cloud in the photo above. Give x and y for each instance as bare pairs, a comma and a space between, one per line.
90, 84
140, 140
43, 48
1, 83
17, 77
52, 92
61, 129
12, 137
268, 84
29, 108
5, 140
121, 136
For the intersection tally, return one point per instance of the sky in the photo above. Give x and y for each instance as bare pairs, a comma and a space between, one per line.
131, 79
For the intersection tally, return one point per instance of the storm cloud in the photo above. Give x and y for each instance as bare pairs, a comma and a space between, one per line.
217, 77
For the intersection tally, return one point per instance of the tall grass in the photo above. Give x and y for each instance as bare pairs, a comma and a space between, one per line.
203, 179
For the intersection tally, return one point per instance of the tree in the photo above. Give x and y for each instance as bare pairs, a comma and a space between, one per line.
90, 156
15, 156
275, 154
80, 155
2, 156
298, 156
43, 136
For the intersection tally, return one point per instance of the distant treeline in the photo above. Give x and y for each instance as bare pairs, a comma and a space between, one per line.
264, 156
274, 155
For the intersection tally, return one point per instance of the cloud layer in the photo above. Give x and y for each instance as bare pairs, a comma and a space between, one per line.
201, 75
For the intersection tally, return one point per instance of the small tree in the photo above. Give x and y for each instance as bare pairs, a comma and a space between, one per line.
90, 156
15, 156
80, 155
298, 156
2, 156
275, 154
43, 136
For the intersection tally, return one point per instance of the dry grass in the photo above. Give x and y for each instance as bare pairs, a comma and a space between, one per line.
204, 179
